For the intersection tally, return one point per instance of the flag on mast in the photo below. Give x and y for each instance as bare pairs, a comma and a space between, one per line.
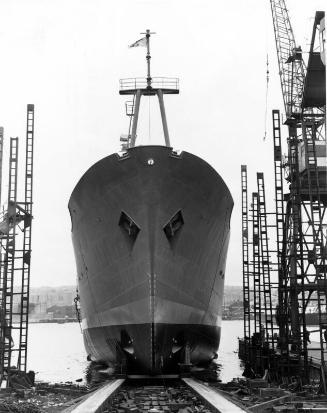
138, 43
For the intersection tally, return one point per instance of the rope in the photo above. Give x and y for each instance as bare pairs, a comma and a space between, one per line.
266, 109
78, 310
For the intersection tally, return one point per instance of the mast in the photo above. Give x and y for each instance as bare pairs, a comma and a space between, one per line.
150, 86
148, 57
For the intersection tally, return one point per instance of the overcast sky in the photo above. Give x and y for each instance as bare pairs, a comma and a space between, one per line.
67, 56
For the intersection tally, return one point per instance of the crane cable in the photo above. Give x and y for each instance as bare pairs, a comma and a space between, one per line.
267, 85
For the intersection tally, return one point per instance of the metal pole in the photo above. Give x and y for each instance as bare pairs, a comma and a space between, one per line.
27, 241
296, 270
163, 117
135, 117
148, 58
1, 155
245, 256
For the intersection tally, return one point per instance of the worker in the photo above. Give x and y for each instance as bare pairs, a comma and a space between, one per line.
307, 336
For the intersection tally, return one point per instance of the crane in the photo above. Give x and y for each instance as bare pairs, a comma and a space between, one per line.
290, 62
304, 265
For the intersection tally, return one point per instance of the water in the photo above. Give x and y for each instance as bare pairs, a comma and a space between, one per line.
314, 333
231, 367
56, 351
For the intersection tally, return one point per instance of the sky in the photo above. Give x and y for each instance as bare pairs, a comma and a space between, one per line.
67, 56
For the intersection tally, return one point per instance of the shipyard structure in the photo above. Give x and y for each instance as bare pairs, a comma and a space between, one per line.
285, 250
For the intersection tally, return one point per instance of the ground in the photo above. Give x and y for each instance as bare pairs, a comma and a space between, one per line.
41, 398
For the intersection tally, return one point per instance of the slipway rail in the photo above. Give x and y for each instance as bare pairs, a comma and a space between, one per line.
217, 401
98, 400
172, 395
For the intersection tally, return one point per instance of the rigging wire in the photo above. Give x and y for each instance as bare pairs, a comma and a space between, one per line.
267, 87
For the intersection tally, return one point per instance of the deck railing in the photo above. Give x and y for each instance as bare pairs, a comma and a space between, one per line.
156, 83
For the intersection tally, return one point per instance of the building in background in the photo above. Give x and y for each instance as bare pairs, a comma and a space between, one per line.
43, 301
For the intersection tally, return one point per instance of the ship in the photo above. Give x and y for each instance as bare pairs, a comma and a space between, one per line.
150, 231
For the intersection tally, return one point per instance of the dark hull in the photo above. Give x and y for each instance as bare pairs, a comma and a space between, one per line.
203, 341
150, 241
